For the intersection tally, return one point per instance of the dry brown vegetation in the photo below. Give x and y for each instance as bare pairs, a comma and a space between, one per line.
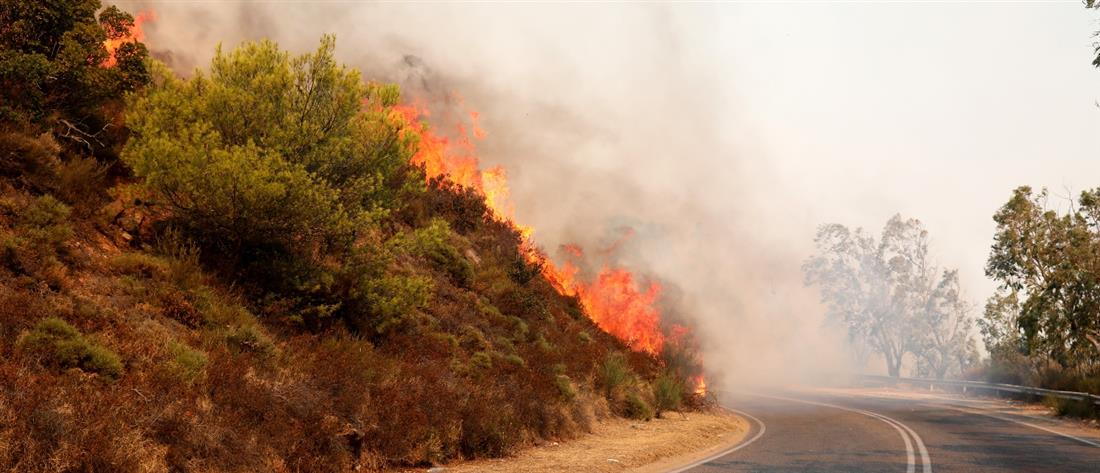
132, 339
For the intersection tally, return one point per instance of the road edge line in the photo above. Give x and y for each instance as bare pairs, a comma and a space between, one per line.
738, 446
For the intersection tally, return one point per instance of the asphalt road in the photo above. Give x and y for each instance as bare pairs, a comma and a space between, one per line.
867, 431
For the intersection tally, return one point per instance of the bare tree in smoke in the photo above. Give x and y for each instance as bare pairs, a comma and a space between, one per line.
885, 291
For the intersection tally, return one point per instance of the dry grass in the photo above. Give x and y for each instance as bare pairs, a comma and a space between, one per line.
618, 445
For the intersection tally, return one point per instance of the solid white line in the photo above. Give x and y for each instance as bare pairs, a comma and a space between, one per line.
965, 405
902, 429
979, 411
926, 461
760, 433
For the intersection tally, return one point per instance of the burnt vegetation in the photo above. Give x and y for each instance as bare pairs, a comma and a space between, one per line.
241, 271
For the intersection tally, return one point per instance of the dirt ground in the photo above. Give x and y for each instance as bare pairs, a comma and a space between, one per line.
619, 445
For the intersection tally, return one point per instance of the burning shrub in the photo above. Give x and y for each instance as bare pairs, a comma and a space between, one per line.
63, 346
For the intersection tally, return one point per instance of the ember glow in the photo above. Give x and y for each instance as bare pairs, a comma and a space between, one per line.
115, 39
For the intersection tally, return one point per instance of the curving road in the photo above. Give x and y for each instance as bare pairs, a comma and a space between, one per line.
857, 430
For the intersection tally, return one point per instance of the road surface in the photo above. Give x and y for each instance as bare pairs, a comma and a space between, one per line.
861, 430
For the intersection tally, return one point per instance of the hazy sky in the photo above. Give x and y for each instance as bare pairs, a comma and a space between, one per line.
726, 133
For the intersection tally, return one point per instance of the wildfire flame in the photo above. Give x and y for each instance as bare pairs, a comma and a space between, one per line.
700, 385
116, 39
613, 298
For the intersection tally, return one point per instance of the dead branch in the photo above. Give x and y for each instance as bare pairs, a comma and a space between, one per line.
74, 133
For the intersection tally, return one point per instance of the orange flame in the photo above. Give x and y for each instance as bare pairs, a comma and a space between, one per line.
613, 299
133, 35
700, 385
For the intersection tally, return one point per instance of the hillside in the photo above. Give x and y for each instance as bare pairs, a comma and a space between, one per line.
254, 269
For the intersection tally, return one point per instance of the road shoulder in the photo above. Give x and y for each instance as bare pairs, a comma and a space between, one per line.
620, 445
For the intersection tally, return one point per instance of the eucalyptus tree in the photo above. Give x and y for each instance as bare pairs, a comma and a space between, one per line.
890, 295
1049, 262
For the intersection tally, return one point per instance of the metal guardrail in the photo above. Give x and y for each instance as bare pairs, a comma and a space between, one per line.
978, 385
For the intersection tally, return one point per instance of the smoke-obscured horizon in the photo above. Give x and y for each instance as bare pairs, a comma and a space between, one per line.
608, 117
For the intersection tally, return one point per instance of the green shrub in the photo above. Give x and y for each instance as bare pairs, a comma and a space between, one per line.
38, 241
270, 154
138, 264
187, 364
250, 338
472, 338
1084, 409
520, 329
636, 407
390, 299
565, 387
584, 337
64, 346
543, 344
668, 393
481, 360
432, 242
613, 374
514, 360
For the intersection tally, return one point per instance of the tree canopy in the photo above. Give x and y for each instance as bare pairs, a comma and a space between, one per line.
270, 151
52, 70
1048, 265
891, 297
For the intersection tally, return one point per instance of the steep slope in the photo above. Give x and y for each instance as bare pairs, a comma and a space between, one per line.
248, 271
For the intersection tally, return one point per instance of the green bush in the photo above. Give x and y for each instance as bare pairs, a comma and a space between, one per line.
390, 299
64, 346
481, 360
270, 153
37, 241
138, 264
433, 243
187, 364
636, 407
1084, 409
565, 387
668, 393
613, 374
250, 338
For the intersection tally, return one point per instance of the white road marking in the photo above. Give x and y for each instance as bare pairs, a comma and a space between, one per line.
954, 404
979, 411
902, 429
760, 433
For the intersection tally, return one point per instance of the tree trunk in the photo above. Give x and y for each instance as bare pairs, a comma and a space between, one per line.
893, 366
